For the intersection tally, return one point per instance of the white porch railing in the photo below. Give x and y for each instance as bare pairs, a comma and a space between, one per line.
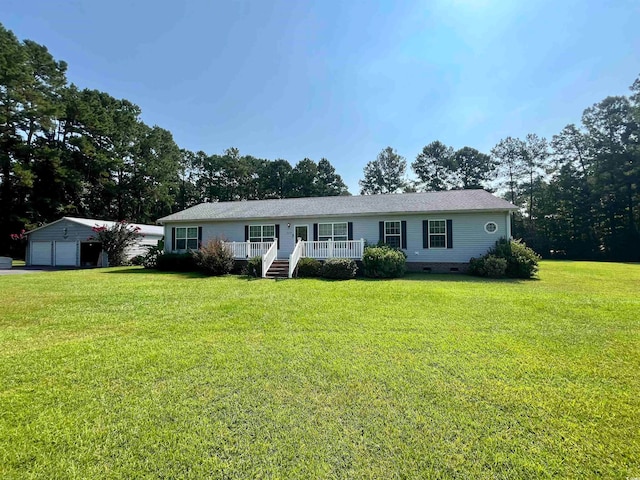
318, 249
295, 257
269, 257
334, 249
248, 249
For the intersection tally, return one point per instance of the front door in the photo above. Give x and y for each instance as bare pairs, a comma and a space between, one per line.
302, 232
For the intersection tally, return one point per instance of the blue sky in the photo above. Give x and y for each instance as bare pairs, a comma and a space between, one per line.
343, 79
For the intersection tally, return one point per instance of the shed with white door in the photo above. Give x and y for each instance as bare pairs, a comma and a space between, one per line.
67, 242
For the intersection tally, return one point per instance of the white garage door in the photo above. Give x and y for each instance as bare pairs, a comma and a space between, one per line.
40, 253
66, 254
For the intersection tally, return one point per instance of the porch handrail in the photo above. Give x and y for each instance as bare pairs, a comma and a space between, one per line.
294, 258
246, 250
322, 249
269, 257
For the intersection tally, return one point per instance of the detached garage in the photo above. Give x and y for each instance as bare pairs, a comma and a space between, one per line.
65, 243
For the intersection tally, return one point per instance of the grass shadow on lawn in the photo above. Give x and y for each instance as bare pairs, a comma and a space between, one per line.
413, 277
149, 271
193, 274
459, 278
428, 277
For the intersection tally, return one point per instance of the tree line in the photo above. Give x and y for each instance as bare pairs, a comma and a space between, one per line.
578, 193
81, 152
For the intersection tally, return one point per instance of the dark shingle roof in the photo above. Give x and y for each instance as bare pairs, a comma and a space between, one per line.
429, 202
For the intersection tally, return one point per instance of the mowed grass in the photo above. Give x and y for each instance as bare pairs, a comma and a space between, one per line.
124, 373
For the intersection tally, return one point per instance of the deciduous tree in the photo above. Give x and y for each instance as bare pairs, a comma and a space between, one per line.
385, 174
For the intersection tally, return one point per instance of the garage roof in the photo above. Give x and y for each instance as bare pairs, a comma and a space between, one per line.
92, 222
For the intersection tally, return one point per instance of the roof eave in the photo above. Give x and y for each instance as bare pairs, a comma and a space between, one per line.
70, 219
164, 220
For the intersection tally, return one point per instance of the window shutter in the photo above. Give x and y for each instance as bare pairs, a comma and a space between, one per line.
278, 235
381, 229
173, 239
199, 237
403, 234
315, 232
246, 233
449, 234
350, 231
425, 234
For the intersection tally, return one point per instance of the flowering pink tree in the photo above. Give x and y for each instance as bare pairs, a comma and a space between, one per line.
116, 239
19, 236
19, 241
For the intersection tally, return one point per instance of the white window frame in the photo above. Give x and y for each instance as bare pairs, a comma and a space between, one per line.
332, 237
262, 236
186, 238
393, 235
487, 230
438, 234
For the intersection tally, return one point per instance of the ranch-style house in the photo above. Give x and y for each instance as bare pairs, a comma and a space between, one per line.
438, 231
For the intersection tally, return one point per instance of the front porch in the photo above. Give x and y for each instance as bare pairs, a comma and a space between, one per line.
320, 250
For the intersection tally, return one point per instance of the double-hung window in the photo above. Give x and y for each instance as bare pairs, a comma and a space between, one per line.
392, 234
262, 233
186, 238
332, 231
437, 234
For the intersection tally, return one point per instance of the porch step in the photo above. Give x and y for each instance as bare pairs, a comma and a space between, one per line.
278, 269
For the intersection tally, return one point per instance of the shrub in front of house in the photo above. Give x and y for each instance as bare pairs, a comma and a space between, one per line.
384, 262
308, 267
150, 259
212, 258
339, 269
137, 261
253, 268
520, 261
488, 266
176, 262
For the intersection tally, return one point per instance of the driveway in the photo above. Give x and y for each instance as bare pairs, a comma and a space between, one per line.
20, 270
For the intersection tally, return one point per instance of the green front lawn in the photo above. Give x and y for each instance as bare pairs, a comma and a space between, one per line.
122, 373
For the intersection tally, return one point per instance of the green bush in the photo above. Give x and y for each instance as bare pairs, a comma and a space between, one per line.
308, 267
522, 261
488, 266
339, 269
476, 267
384, 262
213, 258
176, 262
519, 261
150, 260
137, 261
253, 267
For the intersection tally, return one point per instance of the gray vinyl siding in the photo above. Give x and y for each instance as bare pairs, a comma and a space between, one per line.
80, 233
469, 236
143, 246
55, 232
